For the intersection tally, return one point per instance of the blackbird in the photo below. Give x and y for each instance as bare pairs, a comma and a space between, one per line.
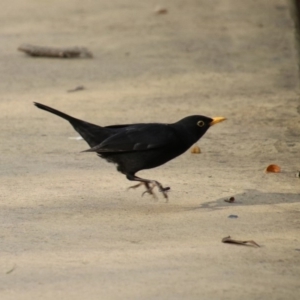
135, 147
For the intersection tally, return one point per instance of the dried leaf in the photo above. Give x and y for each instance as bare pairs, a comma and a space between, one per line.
230, 200
229, 240
273, 169
196, 150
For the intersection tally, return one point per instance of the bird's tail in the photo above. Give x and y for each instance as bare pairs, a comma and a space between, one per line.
91, 133
54, 111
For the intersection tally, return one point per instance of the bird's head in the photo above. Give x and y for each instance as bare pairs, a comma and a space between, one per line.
196, 126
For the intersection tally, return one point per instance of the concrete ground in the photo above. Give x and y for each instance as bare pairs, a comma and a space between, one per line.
68, 227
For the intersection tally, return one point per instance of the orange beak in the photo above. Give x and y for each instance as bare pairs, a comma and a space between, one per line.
217, 120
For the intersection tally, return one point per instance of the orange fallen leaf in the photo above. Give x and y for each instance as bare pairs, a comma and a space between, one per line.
196, 150
273, 169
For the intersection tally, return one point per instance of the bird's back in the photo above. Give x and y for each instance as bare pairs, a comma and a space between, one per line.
141, 146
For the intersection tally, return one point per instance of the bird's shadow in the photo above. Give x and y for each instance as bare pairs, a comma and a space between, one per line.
249, 197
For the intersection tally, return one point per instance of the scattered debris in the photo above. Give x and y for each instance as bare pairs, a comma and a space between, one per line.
196, 150
159, 10
233, 216
298, 174
11, 270
229, 240
230, 200
273, 169
135, 242
78, 88
69, 52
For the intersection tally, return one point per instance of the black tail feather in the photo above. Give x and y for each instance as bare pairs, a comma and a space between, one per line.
53, 111
91, 133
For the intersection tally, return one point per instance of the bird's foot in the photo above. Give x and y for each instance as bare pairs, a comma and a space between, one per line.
149, 188
162, 189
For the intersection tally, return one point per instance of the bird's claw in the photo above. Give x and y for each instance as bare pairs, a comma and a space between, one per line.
149, 189
135, 186
150, 192
162, 189
164, 192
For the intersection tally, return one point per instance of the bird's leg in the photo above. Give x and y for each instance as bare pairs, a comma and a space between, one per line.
149, 188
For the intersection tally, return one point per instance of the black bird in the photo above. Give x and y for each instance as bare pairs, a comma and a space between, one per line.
135, 147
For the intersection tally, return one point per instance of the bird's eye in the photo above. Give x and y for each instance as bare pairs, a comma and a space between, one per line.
200, 123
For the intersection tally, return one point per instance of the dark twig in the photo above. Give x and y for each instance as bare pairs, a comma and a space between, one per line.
228, 239
55, 52
11, 270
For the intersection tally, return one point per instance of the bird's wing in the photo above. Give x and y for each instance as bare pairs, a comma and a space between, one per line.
138, 137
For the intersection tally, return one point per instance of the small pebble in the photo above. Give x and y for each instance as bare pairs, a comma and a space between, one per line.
230, 200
